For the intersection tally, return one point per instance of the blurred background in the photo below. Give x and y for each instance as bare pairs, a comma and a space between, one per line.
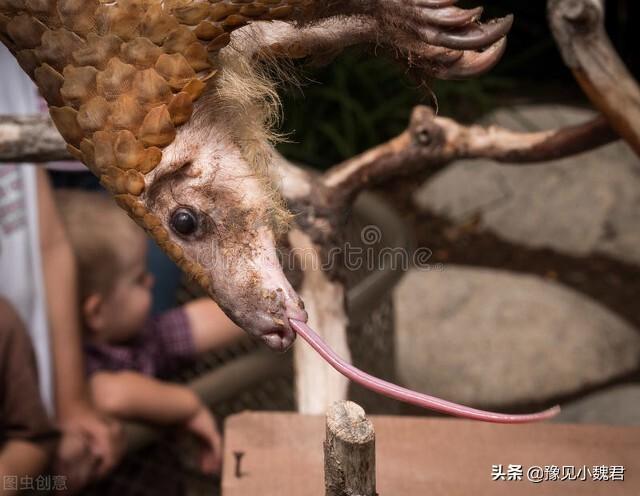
532, 293
359, 101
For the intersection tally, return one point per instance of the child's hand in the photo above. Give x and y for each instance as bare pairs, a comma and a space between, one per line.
203, 426
90, 447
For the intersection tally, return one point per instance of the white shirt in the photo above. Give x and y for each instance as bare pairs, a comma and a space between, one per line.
21, 277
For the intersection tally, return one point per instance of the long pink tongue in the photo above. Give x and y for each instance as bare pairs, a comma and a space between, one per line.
399, 393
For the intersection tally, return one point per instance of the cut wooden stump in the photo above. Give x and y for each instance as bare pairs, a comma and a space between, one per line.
349, 452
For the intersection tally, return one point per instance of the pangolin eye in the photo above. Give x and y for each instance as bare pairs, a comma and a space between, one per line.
184, 221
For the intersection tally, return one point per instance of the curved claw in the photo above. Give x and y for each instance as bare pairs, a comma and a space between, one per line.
425, 55
471, 37
473, 63
450, 16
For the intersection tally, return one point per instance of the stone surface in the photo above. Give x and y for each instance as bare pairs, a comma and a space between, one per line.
615, 406
493, 338
586, 204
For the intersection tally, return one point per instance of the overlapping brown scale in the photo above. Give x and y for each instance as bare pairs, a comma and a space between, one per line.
151, 158
140, 52
191, 13
66, 120
150, 88
11, 6
178, 40
127, 113
180, 108
175, 69
79, 84
49, 82
57, 48
97, 51
94, 115
157, 128
122, 19
78, 15
208, 31
128, 151
104, 155
44, 10
195, 88
116, 79
5, 20
121, 76
221, 10
89, 156
28, 61
156, 24
118, 181
198, 57
26, 31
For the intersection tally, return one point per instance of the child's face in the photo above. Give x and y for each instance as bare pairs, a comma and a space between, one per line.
126, 308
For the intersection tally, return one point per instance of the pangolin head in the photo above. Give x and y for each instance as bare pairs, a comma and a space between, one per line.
122, 80
136, 88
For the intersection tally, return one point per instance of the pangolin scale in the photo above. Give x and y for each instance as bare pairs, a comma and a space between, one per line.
119, 77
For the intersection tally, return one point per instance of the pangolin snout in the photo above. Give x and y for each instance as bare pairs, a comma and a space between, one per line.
278, 333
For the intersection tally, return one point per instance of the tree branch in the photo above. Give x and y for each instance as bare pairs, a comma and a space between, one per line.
432, 141
30, 138
429, 141
578, 26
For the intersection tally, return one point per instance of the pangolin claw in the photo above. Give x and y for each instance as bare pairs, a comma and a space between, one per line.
473, 63
471, 36
450, 16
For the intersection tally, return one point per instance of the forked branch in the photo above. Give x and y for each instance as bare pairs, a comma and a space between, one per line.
432, 141
578, 26
429, 141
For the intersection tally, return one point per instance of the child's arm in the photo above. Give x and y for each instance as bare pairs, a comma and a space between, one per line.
210, 327
133, 396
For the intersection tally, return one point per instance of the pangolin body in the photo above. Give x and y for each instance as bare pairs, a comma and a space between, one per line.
121, 76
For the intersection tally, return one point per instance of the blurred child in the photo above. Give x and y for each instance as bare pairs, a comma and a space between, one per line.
27, 437
127, 353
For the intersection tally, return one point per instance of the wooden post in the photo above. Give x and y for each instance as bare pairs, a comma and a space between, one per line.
318, 385
349, 452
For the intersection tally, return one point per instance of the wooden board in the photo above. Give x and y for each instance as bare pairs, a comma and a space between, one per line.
431, 457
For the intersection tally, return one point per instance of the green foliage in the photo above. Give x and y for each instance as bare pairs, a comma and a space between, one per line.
360, 101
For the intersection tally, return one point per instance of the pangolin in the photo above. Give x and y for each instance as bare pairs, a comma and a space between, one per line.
165, 102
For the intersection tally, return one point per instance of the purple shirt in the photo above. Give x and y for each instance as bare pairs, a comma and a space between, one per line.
165, 343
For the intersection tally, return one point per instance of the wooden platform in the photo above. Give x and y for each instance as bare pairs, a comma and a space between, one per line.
431, 457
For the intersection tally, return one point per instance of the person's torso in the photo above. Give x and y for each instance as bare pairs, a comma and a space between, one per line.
21, 278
